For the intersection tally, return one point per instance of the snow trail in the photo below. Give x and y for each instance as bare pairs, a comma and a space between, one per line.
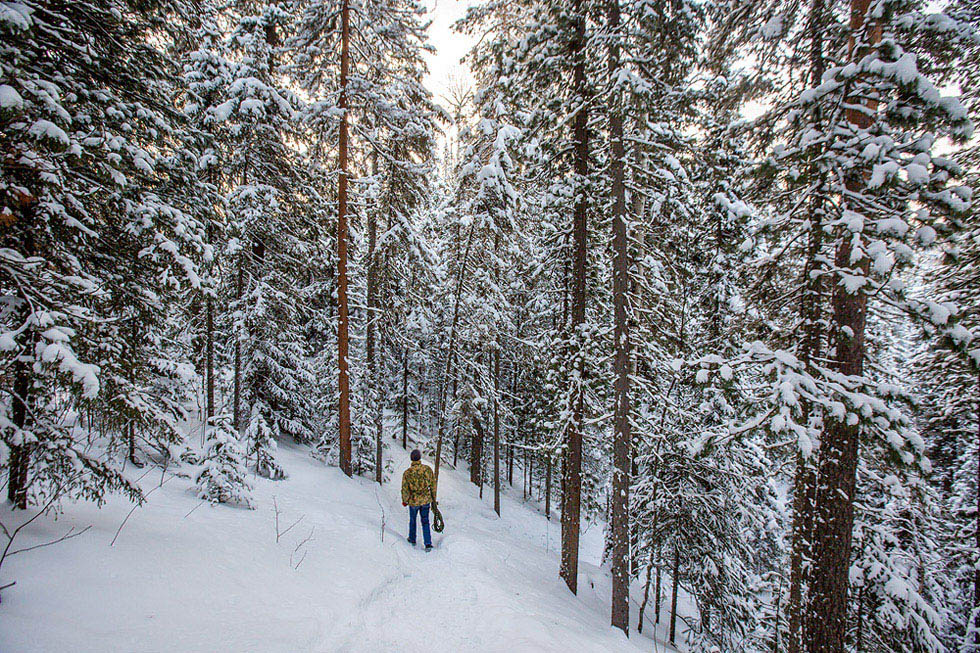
189, 577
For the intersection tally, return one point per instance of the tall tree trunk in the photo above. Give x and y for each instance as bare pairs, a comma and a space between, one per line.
209, 358
526, 482
657, 595
811, 312
461, 275
236, 412
19, 460
646, 595
17, 485
674, 573
827, 622
209, 342
976, 570
343, 344
476, 454
496, 429
405, 399
572, 489
621, 421
373, 317
547, 489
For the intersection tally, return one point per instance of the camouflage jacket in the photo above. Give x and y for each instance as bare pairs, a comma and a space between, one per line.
418, 484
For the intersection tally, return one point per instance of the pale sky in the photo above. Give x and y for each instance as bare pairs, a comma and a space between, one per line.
450, 46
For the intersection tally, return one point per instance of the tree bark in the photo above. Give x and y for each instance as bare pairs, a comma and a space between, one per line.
674, 573
811, 312
547, 489
236, 412
405, 399
461, 275
342, 327
976, 571
621, 420
373, 317
476, 453
496, 429
827, 614
17, 483
656, 596
572, 489
19, 461
646, 595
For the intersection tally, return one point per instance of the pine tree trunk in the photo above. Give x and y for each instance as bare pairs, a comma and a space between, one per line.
17, 483
811, 312
859, 631
342, 327
461, 275
405, 399
476, 452
646, 595
621, 365
827, 613
496, 429
236, 412
19, 460
209, 359
572, 488
373, 317
976, 571
674, 573
657, 595
530, 473
547, 490
525, 479
209, 339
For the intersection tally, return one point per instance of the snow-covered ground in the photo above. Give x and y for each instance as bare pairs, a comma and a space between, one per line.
186, 576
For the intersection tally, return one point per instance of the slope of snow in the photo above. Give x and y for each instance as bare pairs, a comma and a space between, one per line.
186, 576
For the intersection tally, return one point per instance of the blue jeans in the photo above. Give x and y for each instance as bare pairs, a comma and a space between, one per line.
424, 511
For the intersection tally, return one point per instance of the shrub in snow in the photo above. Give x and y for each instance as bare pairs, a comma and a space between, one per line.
262, 443
223, 475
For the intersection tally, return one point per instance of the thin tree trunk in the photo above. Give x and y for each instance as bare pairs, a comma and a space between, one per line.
209, 358
675, 569
451, 352
236, 412
476, 454
646, 594
17, 483
525, 474
530, 474
405, 399
976, 571
657, 596
572, 489
342, 327
547, 489
373, 317
496, 429
476, 471
859, 632
827, 623
811, 313
620, 545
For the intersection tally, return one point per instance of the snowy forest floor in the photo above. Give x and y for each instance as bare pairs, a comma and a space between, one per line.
184, 576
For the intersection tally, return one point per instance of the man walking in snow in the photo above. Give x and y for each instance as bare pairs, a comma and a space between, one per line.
418, 492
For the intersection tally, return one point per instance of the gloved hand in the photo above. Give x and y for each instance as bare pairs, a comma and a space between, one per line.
404, 504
